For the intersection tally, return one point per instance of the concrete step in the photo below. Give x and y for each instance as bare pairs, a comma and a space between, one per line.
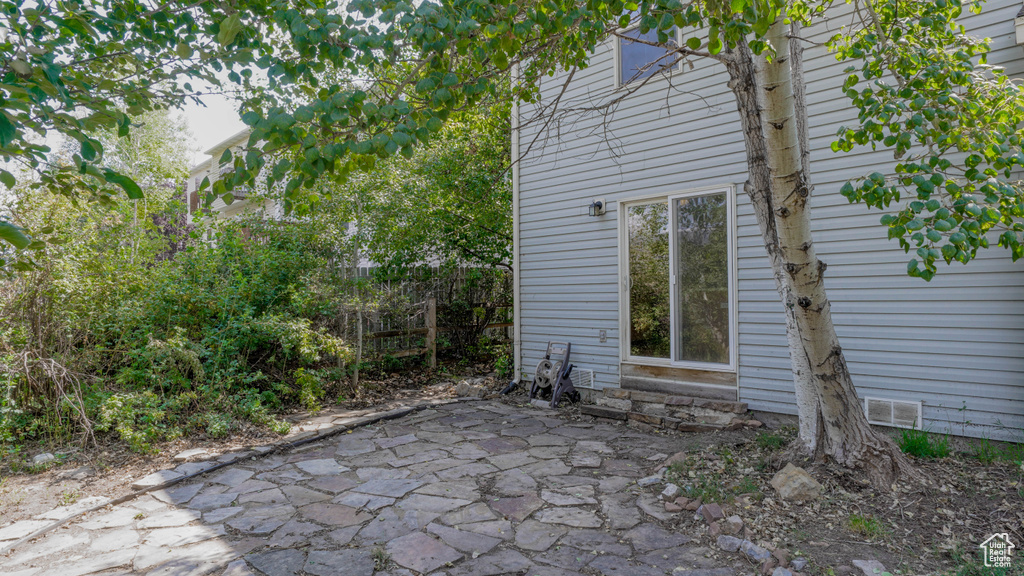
670, 400
677, 387
674, 412
666, 422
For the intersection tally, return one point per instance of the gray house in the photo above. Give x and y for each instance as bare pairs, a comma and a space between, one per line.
635, 242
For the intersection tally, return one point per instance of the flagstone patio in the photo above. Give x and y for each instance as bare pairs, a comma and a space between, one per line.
475, 489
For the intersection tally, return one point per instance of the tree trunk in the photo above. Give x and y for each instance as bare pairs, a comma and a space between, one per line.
743, 82
832, 422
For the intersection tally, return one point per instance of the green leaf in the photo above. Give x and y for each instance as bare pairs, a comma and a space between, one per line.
13, 235
7, 132
425, 85
715, 44
130, 187
7, 179
183, 50
88, 151
226, 156
229, 28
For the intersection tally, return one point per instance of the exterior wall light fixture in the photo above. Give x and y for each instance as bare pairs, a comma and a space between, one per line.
597, 207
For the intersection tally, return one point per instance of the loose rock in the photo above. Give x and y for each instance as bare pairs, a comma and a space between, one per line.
754, 552
869, 567
648, 481
670, 492
733, 525
795, 484
729, 543
466, 389
711, 512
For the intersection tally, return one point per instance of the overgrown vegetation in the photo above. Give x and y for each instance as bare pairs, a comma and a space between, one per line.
987, 451
135, 322
151, 350
923, 444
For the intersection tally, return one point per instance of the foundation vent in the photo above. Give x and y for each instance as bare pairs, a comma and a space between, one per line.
898, 413
582, 378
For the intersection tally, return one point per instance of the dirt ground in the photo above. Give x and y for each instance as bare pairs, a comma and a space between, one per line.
932, 526
917, 528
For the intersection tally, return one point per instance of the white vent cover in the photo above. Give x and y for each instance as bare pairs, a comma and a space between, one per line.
582, 378
897, 413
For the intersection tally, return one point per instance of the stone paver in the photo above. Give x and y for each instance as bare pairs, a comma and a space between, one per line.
351, 562
421, 553
391, 487
322, 467
478, 488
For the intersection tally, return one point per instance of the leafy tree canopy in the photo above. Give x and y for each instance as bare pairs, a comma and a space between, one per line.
448, 205
77, 66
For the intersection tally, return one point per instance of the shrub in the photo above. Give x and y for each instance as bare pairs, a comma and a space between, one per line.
310, 389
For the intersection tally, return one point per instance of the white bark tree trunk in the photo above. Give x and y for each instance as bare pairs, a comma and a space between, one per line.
743, 72
773, 115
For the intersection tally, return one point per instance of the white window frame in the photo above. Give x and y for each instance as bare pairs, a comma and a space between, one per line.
624, 311
617, 57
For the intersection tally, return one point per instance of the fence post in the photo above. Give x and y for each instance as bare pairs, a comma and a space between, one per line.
432, 330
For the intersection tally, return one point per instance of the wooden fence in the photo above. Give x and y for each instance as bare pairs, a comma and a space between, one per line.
430, 331
429, 312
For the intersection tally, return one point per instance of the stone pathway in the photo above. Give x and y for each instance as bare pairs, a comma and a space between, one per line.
474, 489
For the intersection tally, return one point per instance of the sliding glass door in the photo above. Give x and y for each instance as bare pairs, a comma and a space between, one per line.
679, 279
650, 308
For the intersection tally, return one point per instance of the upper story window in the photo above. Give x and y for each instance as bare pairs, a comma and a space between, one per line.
638, 59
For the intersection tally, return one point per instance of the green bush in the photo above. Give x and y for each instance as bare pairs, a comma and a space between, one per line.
220, 333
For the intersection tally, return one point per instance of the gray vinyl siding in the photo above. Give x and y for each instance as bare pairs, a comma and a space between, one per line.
956, 343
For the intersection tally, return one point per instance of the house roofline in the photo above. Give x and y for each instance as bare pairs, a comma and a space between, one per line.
220, 146
229, 140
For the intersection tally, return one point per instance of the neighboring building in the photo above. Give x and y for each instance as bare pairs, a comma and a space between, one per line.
212, 169
671, 156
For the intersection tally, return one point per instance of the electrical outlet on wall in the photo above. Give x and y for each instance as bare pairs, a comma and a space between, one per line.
602, 335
